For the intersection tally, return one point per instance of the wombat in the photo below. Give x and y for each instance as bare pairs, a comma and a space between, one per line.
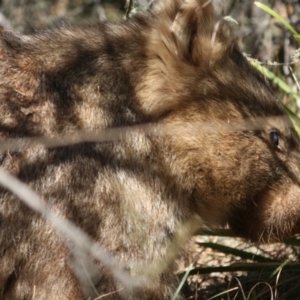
199, 141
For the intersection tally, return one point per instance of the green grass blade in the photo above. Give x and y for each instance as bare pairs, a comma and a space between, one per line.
294, 241
237, 252
223, 293
187, 272
246, 267
216, 232
275, 79
284, 87
279, 268
276, 16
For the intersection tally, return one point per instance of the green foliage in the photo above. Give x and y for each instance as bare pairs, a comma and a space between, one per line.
282, 85
276, 16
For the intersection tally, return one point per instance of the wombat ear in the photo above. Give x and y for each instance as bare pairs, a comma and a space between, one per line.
198, 33
187, 38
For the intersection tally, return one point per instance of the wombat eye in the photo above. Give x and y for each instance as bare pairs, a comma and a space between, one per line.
274, 137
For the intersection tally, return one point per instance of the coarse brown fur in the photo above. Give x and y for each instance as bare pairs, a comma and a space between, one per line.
202, 148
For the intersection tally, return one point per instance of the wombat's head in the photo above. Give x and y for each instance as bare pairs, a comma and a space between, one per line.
233, 146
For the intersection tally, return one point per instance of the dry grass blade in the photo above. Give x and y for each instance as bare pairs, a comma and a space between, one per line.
118, 133
111, 134
77, 236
